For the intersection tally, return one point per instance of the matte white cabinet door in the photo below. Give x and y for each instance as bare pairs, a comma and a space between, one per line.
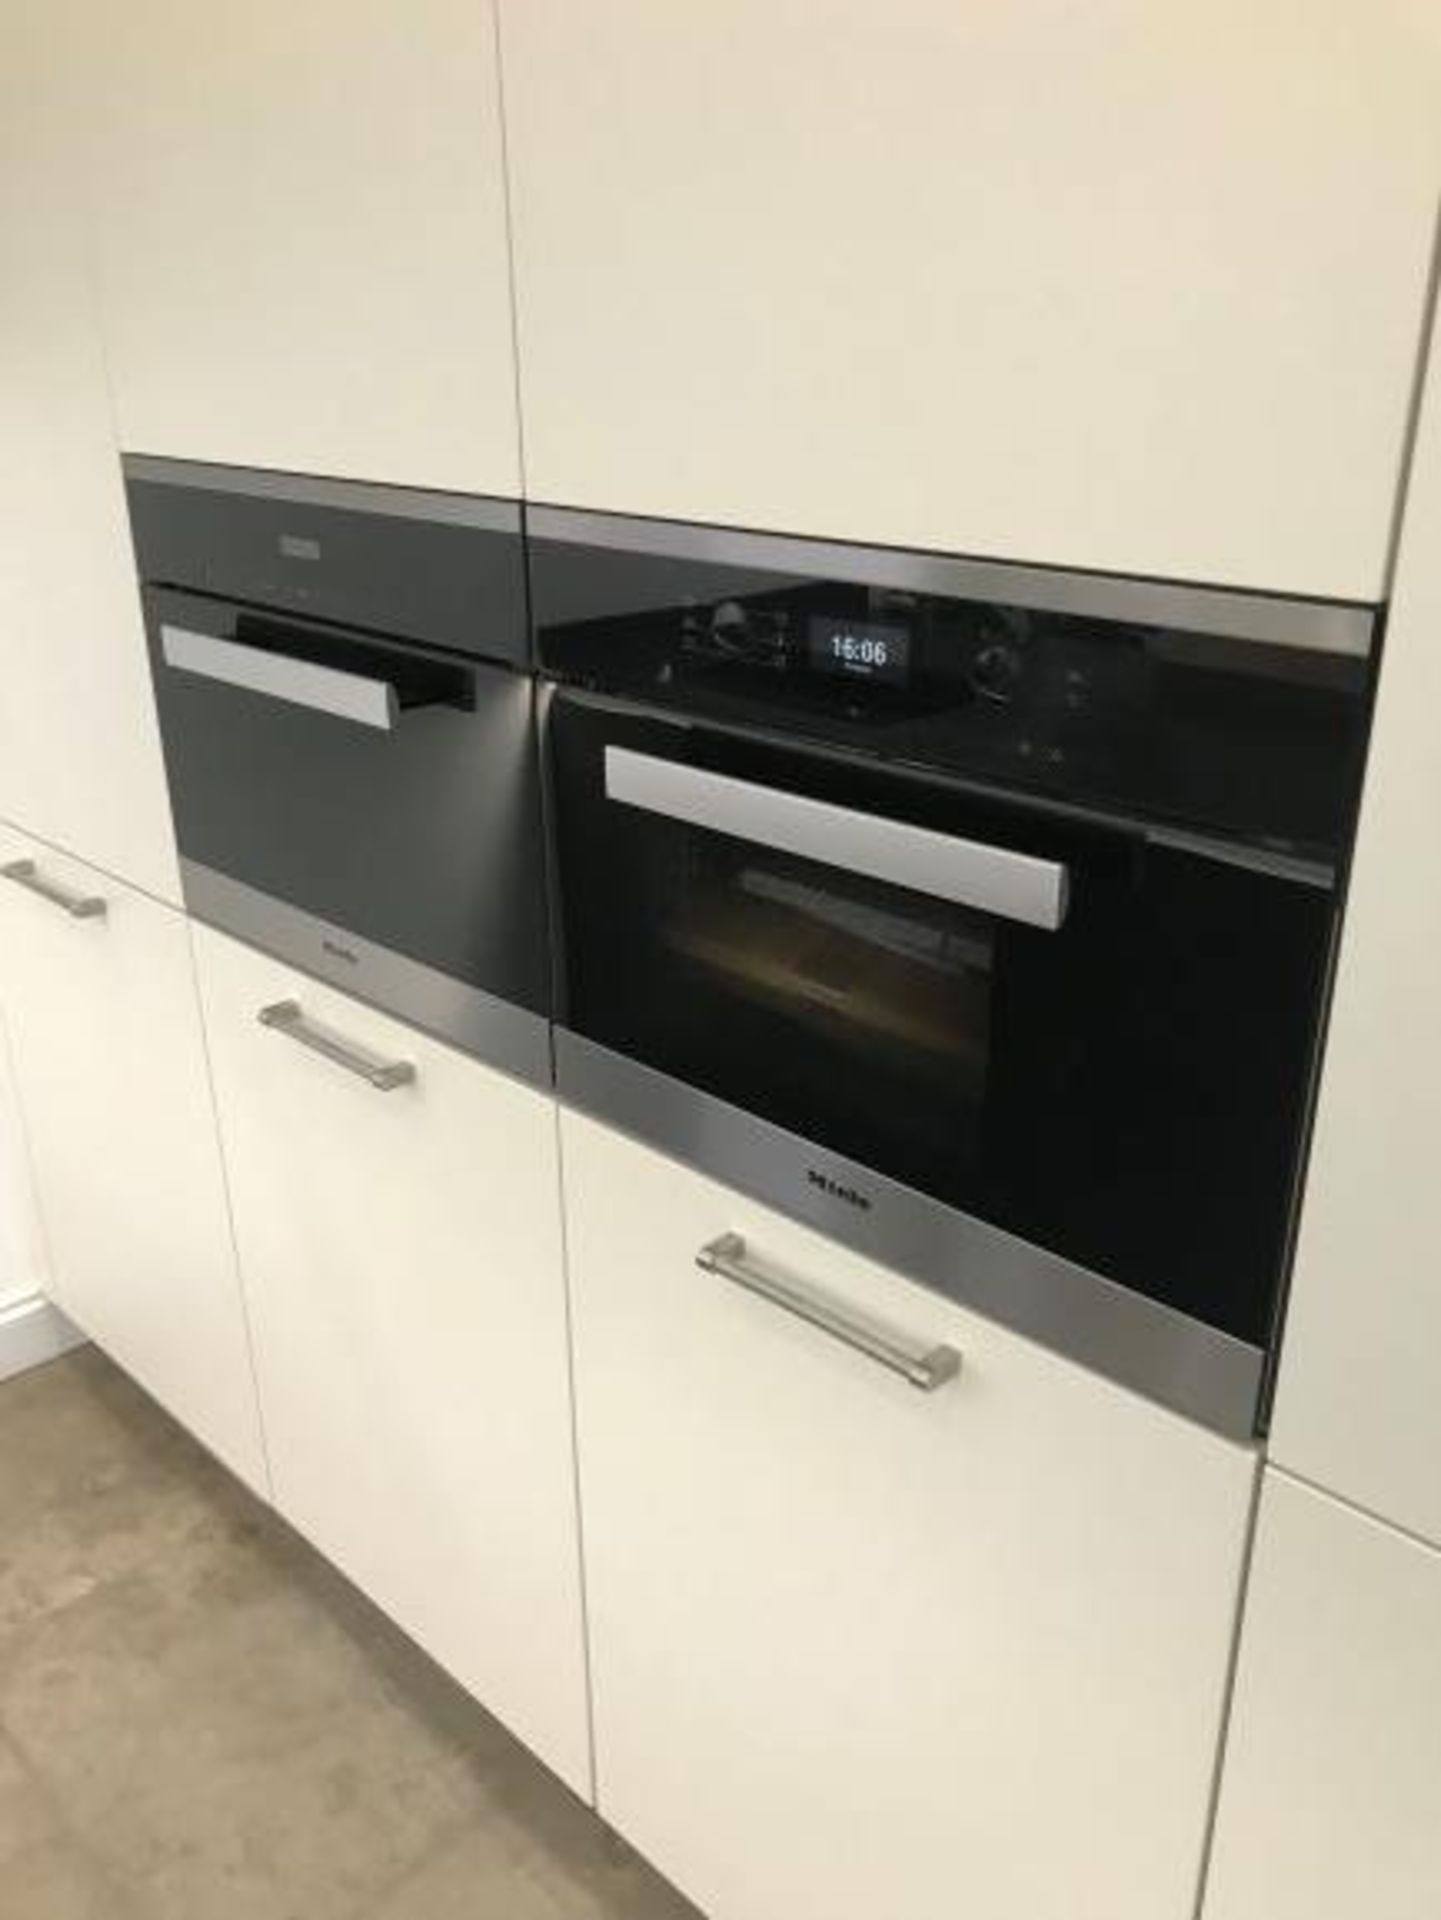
1358, 1406
24, 1263
1331, 1792
858, 1649
401, 1252
301, 236
80, 759
109, 1062
1120, 286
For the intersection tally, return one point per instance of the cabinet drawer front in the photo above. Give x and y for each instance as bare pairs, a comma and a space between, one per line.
398, 1218
825, 1603
109, 1060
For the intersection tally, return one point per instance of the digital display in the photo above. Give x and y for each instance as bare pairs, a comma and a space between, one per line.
860, 649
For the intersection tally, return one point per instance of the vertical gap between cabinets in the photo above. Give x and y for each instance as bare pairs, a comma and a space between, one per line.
508, 196
1228, 1694
241, 1290
1418, 394
577, 1487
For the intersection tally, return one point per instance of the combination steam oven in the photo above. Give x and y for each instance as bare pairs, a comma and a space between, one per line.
979, 915
341, 673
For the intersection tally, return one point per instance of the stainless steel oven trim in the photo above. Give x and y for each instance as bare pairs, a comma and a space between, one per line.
490, 514
994, 880
1191, 1368
1277, 620
510, 1038
299, 683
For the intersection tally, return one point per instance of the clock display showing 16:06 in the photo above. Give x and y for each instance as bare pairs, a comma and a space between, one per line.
861, 649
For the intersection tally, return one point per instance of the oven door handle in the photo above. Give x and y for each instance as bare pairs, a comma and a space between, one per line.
280, 676
994, 880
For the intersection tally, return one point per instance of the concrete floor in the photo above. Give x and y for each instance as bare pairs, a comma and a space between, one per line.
199, 1720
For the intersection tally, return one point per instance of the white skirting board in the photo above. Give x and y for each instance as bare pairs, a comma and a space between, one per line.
33, 1331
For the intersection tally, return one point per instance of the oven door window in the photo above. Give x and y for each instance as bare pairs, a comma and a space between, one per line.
1121, 1079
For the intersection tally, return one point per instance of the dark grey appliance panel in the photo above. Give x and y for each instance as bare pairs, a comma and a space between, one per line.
981, 916
445, 569
351, 802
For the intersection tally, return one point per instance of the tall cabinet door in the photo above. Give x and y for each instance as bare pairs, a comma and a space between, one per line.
1358, 1406
859, 1649
109, 1063
80, 760
1119, 285
401, 1250
301, 236
1331, 1795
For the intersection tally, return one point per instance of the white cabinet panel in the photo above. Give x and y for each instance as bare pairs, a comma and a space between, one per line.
1359, 1403
301, 237
1331, 1794
24, 1266
401, 1252
858, 1649
79, 749
109, 1064
1117, 286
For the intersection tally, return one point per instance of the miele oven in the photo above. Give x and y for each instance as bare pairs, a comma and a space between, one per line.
348, 718
979, 915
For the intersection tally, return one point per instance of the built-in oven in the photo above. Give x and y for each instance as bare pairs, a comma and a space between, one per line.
981, 916
342, 678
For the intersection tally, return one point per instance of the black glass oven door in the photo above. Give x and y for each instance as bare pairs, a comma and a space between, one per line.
387, 789
1095, 1041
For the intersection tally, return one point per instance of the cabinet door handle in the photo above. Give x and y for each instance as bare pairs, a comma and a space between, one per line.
80, 906
924, 1367
287, 1017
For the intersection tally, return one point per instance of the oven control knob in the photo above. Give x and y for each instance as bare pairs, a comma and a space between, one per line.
995, 671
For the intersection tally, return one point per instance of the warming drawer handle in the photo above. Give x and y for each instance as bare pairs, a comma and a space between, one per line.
995, 880
80, 906
301, 683
924, 1367
287, 1017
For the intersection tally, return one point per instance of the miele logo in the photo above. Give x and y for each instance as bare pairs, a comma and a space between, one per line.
299, 546
837, 1190
337, 952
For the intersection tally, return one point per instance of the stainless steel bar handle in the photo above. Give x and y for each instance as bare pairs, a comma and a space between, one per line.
924, 1367
996, 880
80, 906
301, 683
287, 1017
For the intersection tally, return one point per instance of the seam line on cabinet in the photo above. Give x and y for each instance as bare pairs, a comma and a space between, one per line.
577, 1491
241, 1291
1356, 1507
1228, 1695
105, 873
512, 283
1417, 398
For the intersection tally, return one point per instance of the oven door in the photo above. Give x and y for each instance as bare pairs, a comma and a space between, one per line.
1099, 1043
366, 808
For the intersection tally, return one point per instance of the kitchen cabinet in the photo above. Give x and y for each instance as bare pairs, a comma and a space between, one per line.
98, 989
1117, 286
858, 1648
300, 236
1358, 1408
401, 1251
80, 760
24, 1269
1331, 1793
